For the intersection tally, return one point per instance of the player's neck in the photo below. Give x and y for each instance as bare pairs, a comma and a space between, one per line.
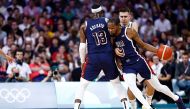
118, 31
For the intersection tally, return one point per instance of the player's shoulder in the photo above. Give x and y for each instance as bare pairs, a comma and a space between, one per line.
83, 26
130, 31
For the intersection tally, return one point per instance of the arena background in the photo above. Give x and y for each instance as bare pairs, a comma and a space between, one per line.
47, 32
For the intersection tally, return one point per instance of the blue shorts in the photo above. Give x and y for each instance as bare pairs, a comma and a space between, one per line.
141, 67
100, 61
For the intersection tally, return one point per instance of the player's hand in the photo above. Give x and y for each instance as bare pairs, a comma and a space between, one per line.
119, 52
9, 59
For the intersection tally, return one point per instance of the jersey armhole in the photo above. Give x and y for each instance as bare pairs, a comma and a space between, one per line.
106, 19
85, 23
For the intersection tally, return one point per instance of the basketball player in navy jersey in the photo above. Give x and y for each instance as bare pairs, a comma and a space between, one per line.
134, 65
100, 56
126, 20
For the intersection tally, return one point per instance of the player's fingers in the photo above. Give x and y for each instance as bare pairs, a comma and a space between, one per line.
118, 53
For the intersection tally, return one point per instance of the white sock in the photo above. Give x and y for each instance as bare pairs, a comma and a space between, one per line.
130, 79
162, 88
149, 99
133, 104
77, 106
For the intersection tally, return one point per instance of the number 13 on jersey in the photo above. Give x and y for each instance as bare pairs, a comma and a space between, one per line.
100, 38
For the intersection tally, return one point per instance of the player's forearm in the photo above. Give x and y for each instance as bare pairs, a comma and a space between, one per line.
150, 48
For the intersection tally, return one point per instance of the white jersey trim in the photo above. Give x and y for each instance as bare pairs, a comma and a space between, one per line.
136, 50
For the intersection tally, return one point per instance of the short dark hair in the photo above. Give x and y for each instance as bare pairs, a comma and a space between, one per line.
125, 10
186, 53
114, 20
19, 50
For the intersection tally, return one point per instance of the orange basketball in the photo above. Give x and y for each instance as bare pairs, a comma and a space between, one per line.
164, 52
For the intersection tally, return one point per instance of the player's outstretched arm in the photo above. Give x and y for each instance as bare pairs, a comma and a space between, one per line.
134, 35
82, 46
8, 58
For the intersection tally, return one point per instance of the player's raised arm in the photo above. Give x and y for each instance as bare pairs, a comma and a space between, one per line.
82, 46
134, 35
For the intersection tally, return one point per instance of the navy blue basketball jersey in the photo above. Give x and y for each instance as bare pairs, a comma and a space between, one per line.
98, 37
126, 44
130, 24
132, 61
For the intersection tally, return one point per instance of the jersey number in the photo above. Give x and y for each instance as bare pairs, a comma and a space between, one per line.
100, 38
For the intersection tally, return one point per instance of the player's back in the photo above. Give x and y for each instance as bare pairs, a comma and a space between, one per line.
98, 37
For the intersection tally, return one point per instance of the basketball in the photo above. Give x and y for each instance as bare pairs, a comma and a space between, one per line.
164, 52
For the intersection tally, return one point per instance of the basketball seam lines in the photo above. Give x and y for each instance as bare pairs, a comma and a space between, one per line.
163, 52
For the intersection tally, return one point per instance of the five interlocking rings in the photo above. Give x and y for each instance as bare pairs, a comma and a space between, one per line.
15, 95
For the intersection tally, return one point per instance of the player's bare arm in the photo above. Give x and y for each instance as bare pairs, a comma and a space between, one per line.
119, 64
82, 34
82, 46
132, 34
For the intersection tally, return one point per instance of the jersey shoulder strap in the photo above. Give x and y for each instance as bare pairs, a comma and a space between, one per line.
130, 25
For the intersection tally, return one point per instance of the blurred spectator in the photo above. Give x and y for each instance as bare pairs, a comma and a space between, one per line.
61, 60
157, 66
25, 23
188, 44
62, 34
182, 74
40, 43
16, 5
53, 76
31, 9
18, 71
182, 15
8, 42
3, 9
3, 34
17, 16
162, 24
7, 27
40, 68
68, 14
28, 55
147, 31
3, 74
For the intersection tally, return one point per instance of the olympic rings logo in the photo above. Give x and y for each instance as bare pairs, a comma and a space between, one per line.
15, 95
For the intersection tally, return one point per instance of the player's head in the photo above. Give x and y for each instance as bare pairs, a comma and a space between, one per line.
124, 16
97, 10
113, 26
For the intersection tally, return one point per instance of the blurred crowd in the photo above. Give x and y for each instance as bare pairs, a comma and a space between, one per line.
43, 37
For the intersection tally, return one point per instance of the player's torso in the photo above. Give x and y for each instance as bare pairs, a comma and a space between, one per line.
126, 44
98, 37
